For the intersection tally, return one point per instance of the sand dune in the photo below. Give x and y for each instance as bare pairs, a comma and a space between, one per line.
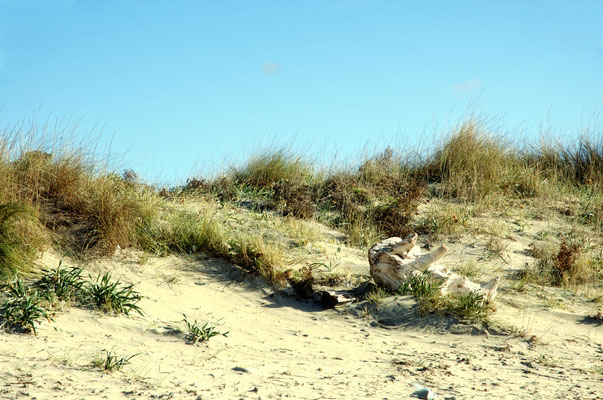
278, 347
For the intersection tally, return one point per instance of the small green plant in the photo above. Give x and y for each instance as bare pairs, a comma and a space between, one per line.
376, 296
63, 283
112, 297
421, 286
320, 265
426, 290
23, 308
471, 307
495, 247
200, 333
111, 362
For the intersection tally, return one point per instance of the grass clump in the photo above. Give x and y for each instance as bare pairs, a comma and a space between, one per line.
427, 291
110, 296
471, 307
111, 361
421, 285
23, 308
20, 238
376, 296
200, 333
187, 232
65, 284
85, 206
473, 164
267, 168
576, 164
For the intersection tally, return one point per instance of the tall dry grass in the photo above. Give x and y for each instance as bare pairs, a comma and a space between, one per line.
271, 166
473, 163
82, 207
52, 193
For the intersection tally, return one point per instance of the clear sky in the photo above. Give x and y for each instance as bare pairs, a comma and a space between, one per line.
182, 86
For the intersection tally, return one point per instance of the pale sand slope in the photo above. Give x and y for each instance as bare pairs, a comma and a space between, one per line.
281, 348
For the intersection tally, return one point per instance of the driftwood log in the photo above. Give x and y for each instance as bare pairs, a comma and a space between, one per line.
394, 260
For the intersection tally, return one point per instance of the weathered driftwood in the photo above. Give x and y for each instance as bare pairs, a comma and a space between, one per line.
335, 298
394, 260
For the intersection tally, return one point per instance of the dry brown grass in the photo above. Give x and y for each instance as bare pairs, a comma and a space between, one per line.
83, 209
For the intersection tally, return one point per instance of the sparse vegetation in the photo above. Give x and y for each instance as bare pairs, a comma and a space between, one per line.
200, 333
55, 195
427, 291
376, 296
25, 306
567, 265
109, 361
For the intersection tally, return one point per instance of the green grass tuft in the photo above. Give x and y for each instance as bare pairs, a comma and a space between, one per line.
200, 333
111, 362
65, 284
23, 308
471, 308
110, 296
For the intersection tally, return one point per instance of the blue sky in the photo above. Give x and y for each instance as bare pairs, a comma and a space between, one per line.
181, 87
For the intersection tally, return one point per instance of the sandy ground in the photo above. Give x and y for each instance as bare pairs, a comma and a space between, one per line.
278, 347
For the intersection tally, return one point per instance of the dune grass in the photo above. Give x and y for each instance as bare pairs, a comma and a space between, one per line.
476, 167
20, 238
53, 194
188, 232
82, 206
272, 166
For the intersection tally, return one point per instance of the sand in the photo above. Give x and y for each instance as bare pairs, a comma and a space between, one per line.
278, 347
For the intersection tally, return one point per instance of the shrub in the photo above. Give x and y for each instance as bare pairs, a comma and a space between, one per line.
296, 199
302, 281
566, 265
